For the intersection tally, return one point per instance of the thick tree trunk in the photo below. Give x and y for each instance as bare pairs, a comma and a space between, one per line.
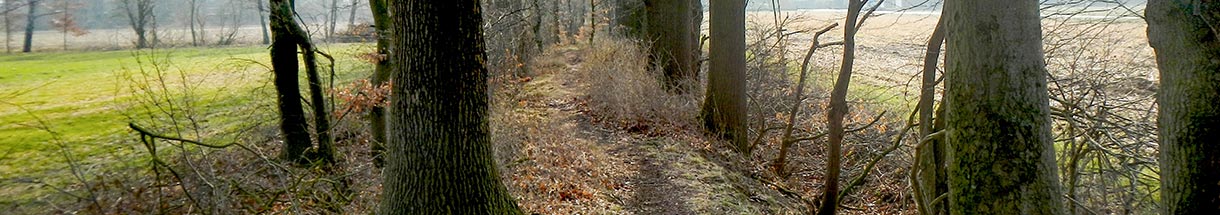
932, 154
439, 158
286, 65
669, 27
31, 18
724, 110
1186, 37
381, 76
1000, 153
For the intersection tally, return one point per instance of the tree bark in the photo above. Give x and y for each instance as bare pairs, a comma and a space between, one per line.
381, 76
286, 65
838, 110
931, 157
696, 34
31, 18
724, 109
1184, 35
139, 17
629, 18
1000, 153
439, 158
262, 21
669, 27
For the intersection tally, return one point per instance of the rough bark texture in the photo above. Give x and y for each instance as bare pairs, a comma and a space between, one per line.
284, 62
669, 29
1184, 35
439, 155
381, 75
931, 155
1000, 154
724, 110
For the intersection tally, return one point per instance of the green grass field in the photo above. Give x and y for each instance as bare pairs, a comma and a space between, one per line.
79, 103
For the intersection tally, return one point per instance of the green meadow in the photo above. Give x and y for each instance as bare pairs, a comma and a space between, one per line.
68, 112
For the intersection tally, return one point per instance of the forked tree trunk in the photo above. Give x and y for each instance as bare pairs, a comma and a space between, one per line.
439, 156
286, 65
724, 110
1185, 36
1000, 154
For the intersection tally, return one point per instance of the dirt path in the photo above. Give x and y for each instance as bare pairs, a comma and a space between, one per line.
569, 163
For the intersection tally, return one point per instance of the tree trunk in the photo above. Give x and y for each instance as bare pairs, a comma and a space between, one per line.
696, 34
332, 20
838, 111
321, 114
724, 110
1000, 153
931, 156
669, 27
192, 20
439, 158
286, 65
9, 7
139, 16
1185, 35
262, 22
351, 16
31, 19
381, 76
629, 18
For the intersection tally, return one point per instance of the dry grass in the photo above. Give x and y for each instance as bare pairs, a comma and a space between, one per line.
625, 92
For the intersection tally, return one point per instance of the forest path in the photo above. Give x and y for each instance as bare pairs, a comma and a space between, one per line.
572, 162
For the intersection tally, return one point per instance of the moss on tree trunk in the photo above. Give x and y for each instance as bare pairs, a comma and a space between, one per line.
1184, 35
1000, 153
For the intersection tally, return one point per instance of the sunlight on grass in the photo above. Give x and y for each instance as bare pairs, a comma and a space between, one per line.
82, 102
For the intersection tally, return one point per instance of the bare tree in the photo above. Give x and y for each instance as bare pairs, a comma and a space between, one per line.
142, 19
31, 17
838, 109
6, 10
262, 21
